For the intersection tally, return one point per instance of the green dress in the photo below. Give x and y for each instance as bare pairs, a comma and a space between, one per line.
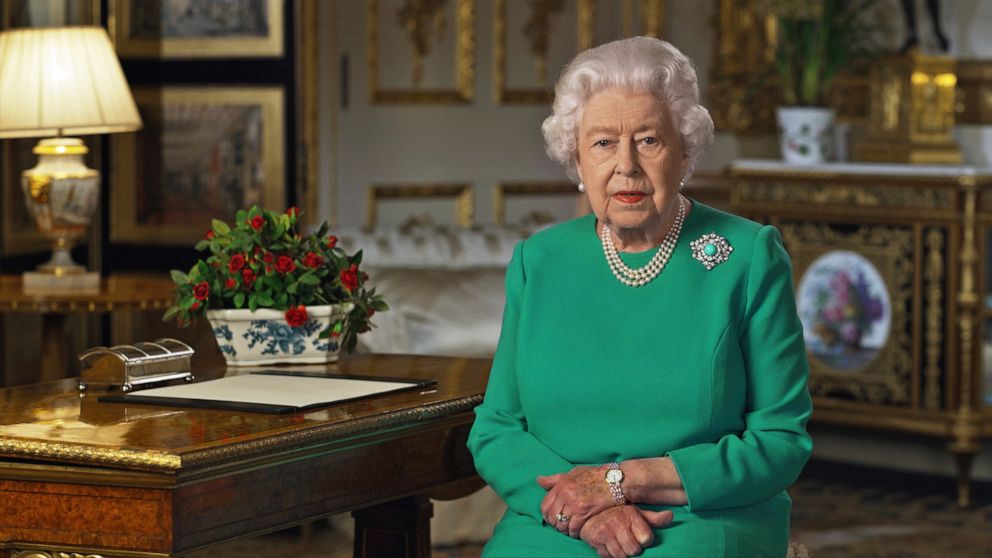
705, 366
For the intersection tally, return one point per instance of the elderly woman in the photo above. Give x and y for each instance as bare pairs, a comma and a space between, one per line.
648, 394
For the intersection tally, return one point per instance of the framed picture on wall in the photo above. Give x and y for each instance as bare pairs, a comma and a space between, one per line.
204, 153
198, 28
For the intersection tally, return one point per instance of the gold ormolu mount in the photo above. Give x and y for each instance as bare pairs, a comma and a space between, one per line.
127, 367
911, 110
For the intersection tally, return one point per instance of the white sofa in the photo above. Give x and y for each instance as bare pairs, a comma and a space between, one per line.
444, 287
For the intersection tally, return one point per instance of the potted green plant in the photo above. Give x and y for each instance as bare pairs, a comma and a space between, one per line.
816, 40
274, 295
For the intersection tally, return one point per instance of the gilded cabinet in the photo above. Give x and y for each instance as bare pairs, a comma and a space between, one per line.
890, 277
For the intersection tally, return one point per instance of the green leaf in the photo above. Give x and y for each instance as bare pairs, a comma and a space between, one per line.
264, 299
178, 277
292, 287
357, 258
239, 300
170, 313
241, 216
282, 299
380, 305
253, 302
202, 245
220, 227
310, 279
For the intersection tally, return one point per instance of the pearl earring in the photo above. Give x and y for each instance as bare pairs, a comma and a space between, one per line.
582, 187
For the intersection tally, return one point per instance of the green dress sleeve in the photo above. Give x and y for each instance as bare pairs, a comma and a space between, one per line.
507, 456
745, 468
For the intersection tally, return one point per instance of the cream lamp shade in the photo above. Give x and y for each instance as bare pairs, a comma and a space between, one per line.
57, 81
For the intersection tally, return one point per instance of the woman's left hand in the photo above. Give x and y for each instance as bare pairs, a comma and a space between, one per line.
578, 495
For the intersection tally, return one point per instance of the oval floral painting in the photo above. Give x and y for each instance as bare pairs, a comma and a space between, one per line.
845, 310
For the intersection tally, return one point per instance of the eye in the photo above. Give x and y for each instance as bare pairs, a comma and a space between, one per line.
650, 140
602, 143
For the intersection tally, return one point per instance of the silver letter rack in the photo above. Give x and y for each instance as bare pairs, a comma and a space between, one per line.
130, 366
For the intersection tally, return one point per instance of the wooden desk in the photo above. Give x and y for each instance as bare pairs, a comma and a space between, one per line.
116, 293
130, 481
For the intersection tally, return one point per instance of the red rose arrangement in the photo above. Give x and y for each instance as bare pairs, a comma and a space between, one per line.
263, 262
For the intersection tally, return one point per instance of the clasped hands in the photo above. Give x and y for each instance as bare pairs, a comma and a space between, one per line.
583, 497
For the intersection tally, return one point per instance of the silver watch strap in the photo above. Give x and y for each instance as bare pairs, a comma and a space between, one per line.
615, 490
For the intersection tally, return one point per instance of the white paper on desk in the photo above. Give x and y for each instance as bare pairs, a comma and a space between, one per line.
266, 389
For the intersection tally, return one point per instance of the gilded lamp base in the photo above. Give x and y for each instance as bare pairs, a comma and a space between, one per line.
61, 194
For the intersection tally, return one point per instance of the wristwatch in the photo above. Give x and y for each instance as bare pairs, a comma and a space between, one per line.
614, 476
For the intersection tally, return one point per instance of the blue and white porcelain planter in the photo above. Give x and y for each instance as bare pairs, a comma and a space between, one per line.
249, 338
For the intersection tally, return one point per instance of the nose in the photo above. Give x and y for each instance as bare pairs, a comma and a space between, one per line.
626, 160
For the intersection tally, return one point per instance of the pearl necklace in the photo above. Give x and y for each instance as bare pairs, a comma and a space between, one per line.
644, 275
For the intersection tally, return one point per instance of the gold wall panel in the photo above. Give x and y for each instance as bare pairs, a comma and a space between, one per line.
860, 195
503, 191
460, 195
437, 39
934, 296
541, 31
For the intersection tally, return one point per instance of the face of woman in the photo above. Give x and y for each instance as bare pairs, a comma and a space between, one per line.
630, 159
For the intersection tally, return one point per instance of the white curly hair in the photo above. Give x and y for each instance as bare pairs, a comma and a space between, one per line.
639, 64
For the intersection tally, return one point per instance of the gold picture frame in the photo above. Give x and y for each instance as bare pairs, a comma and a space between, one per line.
16, 13
171, 35
539, 29
505, 191
204, 153
459, 194
425, 25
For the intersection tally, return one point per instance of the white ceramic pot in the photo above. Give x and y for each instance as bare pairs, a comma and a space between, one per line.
805, 134
249, 338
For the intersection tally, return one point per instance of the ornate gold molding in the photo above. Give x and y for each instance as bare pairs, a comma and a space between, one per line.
307, 117
586, 11
118, 457
25, 550
460, 194
794, 189
221, 455
887, 378
464, 70
934, 295
509, 189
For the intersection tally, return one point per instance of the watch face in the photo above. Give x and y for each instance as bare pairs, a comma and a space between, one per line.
614, 476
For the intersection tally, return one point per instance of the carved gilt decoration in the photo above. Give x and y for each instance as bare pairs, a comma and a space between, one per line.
540, 33
421, 19
512, 189
460, 194
845, 195
933, 274
887, 378
423, 22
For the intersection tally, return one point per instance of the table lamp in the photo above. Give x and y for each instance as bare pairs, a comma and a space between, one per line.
60, 81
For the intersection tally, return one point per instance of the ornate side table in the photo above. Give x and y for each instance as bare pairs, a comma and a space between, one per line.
116, 293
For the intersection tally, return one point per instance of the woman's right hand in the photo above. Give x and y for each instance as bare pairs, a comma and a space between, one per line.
623, 531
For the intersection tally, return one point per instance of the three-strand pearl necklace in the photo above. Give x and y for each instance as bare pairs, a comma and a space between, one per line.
643, 275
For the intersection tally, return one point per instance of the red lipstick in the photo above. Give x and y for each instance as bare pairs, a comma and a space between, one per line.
630, 197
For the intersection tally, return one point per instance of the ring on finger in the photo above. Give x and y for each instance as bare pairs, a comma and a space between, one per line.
562, 518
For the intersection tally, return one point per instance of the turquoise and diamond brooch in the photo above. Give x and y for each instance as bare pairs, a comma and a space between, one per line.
711, 249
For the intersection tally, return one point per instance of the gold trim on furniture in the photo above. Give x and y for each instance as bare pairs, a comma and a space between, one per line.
464, 70
887, 378
195, 47
27, 550
507, 189
585, 16
125, 227
934, 339
90, 7
461, 194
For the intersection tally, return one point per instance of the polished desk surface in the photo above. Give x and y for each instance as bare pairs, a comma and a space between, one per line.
143, 292
213, 473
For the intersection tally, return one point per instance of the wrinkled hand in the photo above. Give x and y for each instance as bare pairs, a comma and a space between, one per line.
623, 531
579, 494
